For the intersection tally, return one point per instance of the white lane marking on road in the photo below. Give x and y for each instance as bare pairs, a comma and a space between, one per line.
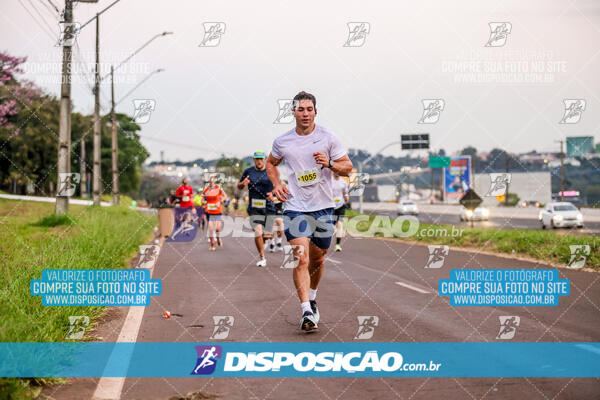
110, 388
416, 289
379, 272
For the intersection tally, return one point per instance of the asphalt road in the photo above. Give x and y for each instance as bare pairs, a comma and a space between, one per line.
377, 277
501, 223
370, 277
429, 217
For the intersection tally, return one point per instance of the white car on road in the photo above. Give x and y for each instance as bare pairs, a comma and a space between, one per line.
478, 214
407, 207
560, 215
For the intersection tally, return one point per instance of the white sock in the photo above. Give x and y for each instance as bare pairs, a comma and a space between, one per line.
278, 239
312, 294
306, 307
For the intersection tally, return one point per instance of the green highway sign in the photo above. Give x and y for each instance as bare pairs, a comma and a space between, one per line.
439, 162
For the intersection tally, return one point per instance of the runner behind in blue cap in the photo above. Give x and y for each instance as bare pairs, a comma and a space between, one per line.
259, 207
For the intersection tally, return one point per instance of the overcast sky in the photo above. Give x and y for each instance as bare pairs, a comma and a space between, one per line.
223, 99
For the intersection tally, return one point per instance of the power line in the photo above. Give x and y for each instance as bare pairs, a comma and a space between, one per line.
183, 145
51, 8
54, 6
87, 75
82, 62
40, 14
37, 22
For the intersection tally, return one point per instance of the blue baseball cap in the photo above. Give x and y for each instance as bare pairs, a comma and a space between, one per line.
259, 154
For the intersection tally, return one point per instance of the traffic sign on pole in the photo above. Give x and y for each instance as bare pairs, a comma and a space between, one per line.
415, 141
439, 162
470, 200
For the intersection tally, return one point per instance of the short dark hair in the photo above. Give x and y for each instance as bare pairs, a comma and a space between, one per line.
304, 96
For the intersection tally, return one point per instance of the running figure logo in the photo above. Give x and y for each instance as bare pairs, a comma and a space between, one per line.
290, 261
207, 359
185, 225
498, 184
148, 255
432, 108
573, 110
77, 325
223, 324
499, 32
356, 187
437, 255
366, 326
143, 109
357, 33
212, 34
579, 254
508, 326
68, 33
68, 183
285, 114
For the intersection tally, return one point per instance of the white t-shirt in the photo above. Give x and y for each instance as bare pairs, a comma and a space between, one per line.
340, 188
310, 186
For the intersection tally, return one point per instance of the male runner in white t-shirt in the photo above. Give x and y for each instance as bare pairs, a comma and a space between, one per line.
312, 155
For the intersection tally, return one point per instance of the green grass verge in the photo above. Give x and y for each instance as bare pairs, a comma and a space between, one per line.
32, 238
53, 220
546, 246
89, 237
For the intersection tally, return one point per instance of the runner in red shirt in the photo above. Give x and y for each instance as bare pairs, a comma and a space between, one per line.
185, 193
214, 197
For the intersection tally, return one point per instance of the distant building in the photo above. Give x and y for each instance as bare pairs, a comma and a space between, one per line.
568, 161
537, 158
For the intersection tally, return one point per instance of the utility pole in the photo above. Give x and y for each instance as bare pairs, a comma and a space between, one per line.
562, 170
97, 126
431, 198
115, 144
64, 130
82, 171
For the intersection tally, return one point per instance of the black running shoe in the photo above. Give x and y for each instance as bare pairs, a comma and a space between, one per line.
315, 310
308, 322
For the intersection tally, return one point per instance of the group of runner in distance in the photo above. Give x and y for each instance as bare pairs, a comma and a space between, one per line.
306, 207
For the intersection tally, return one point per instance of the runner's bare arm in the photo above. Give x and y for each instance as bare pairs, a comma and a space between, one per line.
342, 166
279, 188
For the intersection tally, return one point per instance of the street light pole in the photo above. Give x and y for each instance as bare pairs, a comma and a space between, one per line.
139, 84
96, 187
64, 129
139, 49
82, 169
115, 143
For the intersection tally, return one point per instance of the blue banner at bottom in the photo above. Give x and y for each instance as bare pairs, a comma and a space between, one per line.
226, 359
